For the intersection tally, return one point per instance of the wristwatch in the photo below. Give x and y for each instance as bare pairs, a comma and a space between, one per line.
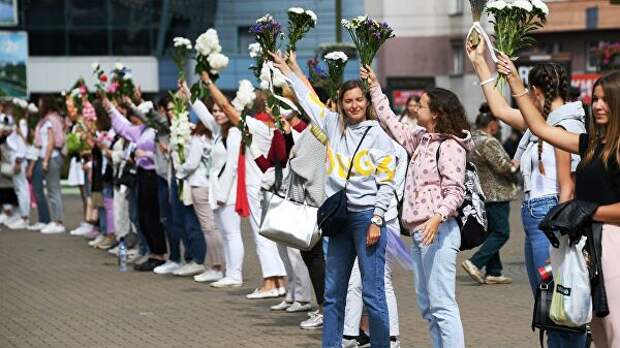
377, 220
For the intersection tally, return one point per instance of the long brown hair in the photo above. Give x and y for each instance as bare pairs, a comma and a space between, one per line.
611, 132
451, 117
347, 86
210, 104
552, 80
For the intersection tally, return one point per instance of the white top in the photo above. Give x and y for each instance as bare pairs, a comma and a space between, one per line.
261, 141
544, 185
43, 134
197, 162
17, 147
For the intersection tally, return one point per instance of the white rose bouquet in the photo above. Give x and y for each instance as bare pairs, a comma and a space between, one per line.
300, 21
180, 54
180, 132
514, 23
243, 102
208, 58
336, 62
256, 53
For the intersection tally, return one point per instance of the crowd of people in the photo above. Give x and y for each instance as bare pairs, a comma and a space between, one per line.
137, 188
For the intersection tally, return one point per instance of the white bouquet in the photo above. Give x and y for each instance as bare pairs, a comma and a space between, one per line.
243, 102
336, 62
300, 21
256, 53
208, 58
33, 109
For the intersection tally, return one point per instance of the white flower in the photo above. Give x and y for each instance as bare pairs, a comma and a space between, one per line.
208, 42
312, 16
264, 19
75, 92
539, 4
279, 80
265, 77
145, 107
255, 50
95, 66
296, 10
336, 55
182, 42
20, 102
245, 95
523, 4
361, 18
119, 66
33, 108
217, 62
63, 93
127, 77
497, 5
346, 24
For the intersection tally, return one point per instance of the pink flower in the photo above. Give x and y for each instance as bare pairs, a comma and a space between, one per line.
113, 87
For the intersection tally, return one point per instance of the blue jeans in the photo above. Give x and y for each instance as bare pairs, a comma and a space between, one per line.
343, 248
37, 185
536, 255
434, 273
183, 225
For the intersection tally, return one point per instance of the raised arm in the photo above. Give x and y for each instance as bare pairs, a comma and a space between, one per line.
556, 136
220, 99
498, 105
121, 125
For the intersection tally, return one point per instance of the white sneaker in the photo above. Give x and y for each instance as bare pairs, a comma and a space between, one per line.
36, 227
168, 267
209, 276
314, 322
81, 230
226, 282
189, 269
11, 220
113, 251
259, 295
299, 307
93, 243
3, 218
53, 228
282, 306
19, 224
395, 344
281, 291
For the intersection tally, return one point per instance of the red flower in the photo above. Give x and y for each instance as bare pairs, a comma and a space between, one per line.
103, 78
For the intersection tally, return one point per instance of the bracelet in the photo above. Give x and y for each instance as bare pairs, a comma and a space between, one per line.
207, 83
526, 91
486, 82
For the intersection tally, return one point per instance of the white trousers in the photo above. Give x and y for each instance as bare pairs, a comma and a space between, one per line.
270, 263
20, 185
299, 287
228, 223
121, 212
355, 304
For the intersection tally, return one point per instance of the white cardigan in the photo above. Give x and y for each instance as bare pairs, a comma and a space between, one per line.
224, 159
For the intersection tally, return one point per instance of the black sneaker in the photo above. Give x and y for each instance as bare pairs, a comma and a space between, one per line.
363, 340
148, 265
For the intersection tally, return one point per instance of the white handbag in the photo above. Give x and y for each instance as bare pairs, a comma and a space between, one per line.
289, 223
6, 169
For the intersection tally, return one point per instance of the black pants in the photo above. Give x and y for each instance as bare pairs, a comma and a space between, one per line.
315, 262
148, 211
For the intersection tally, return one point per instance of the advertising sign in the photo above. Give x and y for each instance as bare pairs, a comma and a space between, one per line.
13, 60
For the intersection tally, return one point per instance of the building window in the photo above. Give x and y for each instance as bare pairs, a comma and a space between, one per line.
456, 7
458, 59
244, 39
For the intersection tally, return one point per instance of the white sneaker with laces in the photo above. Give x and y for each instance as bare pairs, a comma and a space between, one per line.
299, 307
97, 240
259, 295
314, 322
53, 228
168, 267
282, 306
189, 269
227, 282
36, 227
209, 276
19, 224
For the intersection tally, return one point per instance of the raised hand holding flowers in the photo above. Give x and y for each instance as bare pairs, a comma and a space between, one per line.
208, 59
336, 62
243, 102
300, 21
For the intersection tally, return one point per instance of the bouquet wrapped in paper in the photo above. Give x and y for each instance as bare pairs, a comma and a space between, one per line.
368, 35
209, 58
514, 23
336, 62
300, 21
243, 102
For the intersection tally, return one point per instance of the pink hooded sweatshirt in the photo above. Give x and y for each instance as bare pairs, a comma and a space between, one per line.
430, 187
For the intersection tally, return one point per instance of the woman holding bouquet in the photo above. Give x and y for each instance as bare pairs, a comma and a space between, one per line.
262, 129
369, 191
600, 167
548, 171
433, 193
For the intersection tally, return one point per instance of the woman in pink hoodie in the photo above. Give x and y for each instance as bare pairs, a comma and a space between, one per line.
433, 194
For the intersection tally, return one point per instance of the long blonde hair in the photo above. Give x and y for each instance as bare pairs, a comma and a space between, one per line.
610, 132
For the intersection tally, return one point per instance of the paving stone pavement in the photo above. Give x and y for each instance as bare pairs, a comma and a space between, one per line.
55, 291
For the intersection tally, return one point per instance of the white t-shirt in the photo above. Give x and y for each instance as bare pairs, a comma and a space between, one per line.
261, 139
43, 134
544, 185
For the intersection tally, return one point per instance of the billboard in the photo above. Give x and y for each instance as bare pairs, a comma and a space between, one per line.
8, 13
13, 60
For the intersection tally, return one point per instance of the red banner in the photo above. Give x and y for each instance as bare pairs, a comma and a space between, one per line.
584, 82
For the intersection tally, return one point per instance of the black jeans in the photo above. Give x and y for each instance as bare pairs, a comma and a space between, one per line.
148, 211
315, 262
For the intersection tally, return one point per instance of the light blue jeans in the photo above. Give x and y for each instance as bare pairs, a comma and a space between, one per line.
434, 272
537, 246
343, 248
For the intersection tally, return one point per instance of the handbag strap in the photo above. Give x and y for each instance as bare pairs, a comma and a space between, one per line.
355, 153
